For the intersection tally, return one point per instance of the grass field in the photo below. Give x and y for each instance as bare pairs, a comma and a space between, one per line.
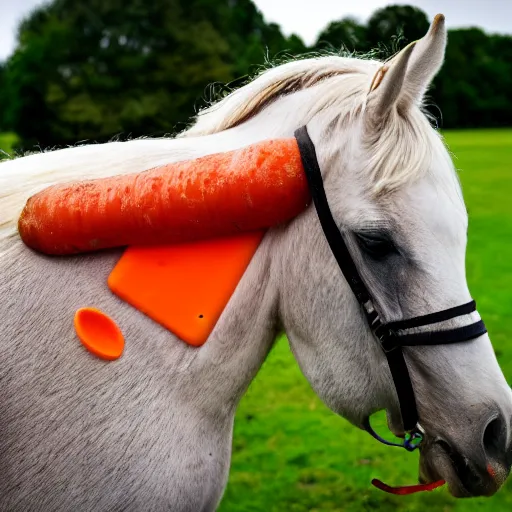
291, 454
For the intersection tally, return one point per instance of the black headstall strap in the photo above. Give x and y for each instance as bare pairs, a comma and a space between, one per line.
394, 335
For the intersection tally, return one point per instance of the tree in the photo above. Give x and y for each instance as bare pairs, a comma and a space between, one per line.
474, 86
346, 34
395, 26
91, 70
387, 31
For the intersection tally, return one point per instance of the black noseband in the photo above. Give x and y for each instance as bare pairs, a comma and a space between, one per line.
392, 336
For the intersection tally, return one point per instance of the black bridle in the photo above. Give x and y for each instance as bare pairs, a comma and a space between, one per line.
392, 336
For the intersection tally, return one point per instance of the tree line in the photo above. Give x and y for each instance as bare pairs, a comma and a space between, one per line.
103, 68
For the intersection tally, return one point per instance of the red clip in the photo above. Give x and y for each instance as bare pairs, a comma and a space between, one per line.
407, 489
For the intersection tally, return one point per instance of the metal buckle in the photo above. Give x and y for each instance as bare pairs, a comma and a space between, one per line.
414, 438
386, 337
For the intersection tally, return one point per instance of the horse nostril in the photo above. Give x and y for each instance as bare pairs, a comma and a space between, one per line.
495, 438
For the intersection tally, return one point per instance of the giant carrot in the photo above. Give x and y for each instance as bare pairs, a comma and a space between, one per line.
252, 188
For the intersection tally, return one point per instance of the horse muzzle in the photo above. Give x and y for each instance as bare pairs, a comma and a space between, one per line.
478, 471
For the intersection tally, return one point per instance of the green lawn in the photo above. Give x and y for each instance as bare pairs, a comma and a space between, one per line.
290, 453
7, 141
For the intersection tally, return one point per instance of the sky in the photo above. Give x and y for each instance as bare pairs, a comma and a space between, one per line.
308, 17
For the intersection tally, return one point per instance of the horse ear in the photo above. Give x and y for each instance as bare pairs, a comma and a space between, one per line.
387, 85
424, 64
403, 80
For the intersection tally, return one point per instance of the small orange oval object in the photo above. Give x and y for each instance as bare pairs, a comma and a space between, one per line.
99, 333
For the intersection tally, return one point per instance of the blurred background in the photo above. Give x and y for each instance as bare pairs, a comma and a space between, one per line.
93, 70
96, 69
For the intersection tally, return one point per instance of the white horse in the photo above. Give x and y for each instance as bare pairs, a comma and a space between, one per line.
152, 431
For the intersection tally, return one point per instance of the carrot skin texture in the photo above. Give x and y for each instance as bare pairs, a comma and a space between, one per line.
248, 189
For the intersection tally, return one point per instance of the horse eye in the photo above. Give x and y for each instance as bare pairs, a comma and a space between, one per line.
375, 245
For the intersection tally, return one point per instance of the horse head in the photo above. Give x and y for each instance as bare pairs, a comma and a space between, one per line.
396, 199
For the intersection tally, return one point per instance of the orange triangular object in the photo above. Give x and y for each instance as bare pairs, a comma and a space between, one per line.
184, 287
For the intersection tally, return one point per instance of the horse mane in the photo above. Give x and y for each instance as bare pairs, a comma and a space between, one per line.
272, 84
